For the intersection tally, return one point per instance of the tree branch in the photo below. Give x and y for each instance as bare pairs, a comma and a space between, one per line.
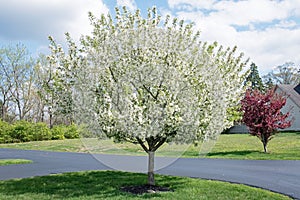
150, 142
161, 142
112, 74
142, 144
159, 87
154, 97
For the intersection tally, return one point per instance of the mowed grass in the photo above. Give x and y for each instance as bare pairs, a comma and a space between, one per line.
107, 184
284, 146
14, 161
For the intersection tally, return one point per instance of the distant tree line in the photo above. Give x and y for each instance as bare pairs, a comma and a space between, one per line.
288, 73
32, 89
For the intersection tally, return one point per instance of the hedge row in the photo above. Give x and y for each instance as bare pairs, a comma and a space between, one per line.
23, 131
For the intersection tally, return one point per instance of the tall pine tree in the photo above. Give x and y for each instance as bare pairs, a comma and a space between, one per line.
254, 80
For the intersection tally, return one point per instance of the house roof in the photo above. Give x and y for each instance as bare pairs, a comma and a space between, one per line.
291, 92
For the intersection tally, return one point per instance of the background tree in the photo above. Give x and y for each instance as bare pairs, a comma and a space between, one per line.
254, 79
45, 101
148, 81
5, 86
50, 92
63, 70
269, 84
262, 114
287, 73
37, 90
17, 77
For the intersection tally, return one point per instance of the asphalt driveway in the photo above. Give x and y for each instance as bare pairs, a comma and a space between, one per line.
275, 175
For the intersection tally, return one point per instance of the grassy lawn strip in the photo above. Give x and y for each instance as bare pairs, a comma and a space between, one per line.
107, 184
284, 146
14, 161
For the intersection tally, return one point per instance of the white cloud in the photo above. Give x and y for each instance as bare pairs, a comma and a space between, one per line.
241, 12
130, 4
34, 20
286, 24
270, 30
266, 30
271, 47
181, 4
245, 12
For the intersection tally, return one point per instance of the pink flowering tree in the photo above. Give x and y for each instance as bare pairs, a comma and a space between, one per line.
262, 115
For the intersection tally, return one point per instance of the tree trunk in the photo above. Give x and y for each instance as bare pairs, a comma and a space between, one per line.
264, 140
50, 118
265, 147
151, 180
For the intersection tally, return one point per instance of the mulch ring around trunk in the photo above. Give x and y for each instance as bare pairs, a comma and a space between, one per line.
142, 189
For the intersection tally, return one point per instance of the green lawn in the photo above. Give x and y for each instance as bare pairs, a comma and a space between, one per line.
284, 146
107, 184
13, 161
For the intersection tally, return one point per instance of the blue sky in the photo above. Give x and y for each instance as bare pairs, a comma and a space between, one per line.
266, 31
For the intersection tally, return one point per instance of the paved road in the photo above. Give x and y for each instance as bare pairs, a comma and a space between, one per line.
278, 176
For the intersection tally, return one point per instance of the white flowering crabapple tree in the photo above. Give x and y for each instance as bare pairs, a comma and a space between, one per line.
150, 81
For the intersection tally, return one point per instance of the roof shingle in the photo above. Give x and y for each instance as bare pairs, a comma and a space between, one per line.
291, 92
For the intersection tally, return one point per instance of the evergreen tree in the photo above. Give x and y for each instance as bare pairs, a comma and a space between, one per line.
253, 79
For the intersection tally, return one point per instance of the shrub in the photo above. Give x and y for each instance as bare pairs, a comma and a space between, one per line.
71, 131
58, 132
5, 129
21, 131
40, 131
85, 132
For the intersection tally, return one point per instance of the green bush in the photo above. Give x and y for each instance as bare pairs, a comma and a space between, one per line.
40, 131
85, 132
58, 132
21, 131
63, 131
72, 131
5, 129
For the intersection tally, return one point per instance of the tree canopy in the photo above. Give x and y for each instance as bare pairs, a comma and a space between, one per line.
288, 73
253, 79
262, 114
150, 81
17, 92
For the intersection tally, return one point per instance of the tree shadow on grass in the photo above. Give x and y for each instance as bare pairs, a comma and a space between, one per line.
233, 153
92, 184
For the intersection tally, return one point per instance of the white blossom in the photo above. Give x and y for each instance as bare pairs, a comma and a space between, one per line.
158, 79
148, 78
